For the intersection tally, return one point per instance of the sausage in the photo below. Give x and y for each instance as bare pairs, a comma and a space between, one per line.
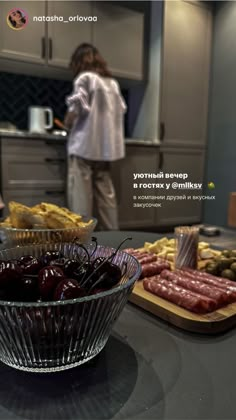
154, 268
178, 295
210, 280
147, 259
135, 253
129, 250
219, 295
204, 275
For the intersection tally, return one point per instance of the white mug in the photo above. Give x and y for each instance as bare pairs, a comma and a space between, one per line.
37, 119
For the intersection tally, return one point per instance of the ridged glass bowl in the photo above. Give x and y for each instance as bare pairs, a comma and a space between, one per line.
14, 236
54, 336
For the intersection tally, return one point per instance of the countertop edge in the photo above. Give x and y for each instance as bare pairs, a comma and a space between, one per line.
52, 137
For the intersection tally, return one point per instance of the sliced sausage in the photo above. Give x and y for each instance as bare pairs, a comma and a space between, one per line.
180, 296
135, 253
211, 280
204, 275
154, 268
219, 295
147, 259
129, 250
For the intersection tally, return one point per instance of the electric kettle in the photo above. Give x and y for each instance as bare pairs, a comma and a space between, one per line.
40, 119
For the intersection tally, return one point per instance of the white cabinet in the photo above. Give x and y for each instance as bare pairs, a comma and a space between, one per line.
27, 44
119, 35
185, 72
33, 170
65, 36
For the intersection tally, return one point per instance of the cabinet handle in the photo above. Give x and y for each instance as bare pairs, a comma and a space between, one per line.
161, 161
43, 46
55, 160
162, 131
50, 48
54, 192
50, 142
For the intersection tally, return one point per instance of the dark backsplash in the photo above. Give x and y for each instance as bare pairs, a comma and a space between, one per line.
18, 92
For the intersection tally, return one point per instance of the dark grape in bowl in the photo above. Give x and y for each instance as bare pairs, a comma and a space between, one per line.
65, 324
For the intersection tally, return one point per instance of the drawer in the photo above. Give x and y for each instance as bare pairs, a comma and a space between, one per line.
33, 197
33, 171
25, 147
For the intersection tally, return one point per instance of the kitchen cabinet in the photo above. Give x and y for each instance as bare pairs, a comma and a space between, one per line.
47, 46
139, 159
65, 36
33, 170
185, 72
119, 35
187, 211
26, 44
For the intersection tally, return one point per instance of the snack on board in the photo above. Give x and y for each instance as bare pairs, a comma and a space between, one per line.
42, 216
151, 264
193, 290
165, 248
223, 265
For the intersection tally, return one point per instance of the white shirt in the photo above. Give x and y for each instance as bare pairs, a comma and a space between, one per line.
97, 132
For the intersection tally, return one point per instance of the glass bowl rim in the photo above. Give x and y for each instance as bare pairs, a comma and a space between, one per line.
100, 295
38, 230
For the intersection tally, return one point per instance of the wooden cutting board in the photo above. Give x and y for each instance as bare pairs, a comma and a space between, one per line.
212, 323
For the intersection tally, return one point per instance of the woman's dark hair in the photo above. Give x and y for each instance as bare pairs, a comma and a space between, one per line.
87, 58
12, 22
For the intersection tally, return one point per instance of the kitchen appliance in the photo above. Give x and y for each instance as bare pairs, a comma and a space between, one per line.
209, 231
40, 119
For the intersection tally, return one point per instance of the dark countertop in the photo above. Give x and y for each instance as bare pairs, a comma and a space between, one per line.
31, 136
50, 136
226, 240
148, 370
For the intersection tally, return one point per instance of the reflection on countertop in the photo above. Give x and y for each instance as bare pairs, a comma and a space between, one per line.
61, 135
142, 142
26, 134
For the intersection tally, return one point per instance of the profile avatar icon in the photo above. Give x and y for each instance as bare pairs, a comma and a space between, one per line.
17, 18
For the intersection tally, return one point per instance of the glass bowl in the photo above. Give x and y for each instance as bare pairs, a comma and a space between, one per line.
58, 335
13, 236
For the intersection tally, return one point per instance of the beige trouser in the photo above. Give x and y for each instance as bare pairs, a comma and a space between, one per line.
90, 191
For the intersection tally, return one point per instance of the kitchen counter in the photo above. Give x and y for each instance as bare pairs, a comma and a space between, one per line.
27, 135
148, 370
50, 136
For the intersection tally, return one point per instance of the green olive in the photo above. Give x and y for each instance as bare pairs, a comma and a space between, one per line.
228, 274
212, 268
224, 263
233, 267
226, 253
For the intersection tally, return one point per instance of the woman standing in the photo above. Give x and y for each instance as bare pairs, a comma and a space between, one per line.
95, 118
